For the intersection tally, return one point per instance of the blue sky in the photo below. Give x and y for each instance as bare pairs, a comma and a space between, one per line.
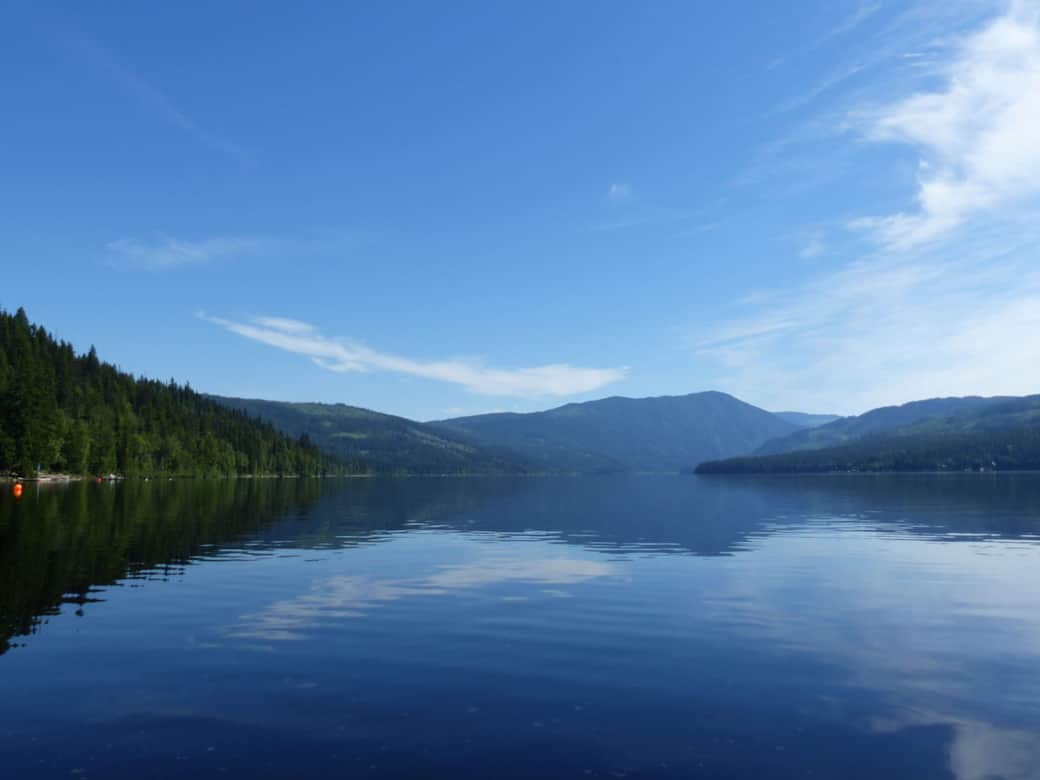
436, 209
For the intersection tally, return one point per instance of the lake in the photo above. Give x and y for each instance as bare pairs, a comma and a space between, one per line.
621, 626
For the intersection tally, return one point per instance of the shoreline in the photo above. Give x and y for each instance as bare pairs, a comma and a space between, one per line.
849, 473
44, 478
62, 478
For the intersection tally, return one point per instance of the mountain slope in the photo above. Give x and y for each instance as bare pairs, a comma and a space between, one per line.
627, 434
877, 422
1001, 434
379, 443
64, 412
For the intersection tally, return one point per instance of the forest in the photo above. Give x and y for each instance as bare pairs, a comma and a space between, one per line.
62, 412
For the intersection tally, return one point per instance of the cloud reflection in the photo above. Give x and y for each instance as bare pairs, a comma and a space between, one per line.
347, 596
812, 595
978, 750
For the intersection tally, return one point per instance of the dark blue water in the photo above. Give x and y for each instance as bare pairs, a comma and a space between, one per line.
847, 627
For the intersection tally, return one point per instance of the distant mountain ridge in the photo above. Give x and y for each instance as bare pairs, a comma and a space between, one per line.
999, 433
616, 434
658, 434
883, 420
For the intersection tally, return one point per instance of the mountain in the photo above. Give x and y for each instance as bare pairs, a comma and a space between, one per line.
660, 434
980, 434
876, 422
379, 443
63, 412
803, 420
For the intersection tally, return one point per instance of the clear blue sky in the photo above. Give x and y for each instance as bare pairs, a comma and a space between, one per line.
444, 208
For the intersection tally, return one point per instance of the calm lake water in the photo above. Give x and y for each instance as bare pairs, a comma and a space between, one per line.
738, 627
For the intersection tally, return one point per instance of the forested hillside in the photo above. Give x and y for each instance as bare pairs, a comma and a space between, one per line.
940, 434
63, 412
380, 443
1001, 449
880, 422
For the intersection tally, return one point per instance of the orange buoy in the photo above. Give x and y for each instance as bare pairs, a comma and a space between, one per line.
18, 489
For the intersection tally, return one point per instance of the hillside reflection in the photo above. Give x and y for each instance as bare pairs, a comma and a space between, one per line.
59, 545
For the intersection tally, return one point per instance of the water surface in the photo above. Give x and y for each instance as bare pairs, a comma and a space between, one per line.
740, 627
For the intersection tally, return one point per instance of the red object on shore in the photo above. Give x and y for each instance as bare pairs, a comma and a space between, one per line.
18, 489
100, 480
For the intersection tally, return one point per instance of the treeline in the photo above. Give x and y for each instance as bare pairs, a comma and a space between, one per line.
69, 413
1016, 449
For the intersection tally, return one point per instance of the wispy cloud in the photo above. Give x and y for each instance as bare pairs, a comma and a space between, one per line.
165, 109
626, 209
167, 252
892, 327
932, 308
863, 12
150, 96
829, 82
619, 192
812, 245
559, 379
977, 134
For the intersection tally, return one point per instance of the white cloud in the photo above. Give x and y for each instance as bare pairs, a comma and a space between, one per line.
977, 135
558, 379
285, 325
169, 252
